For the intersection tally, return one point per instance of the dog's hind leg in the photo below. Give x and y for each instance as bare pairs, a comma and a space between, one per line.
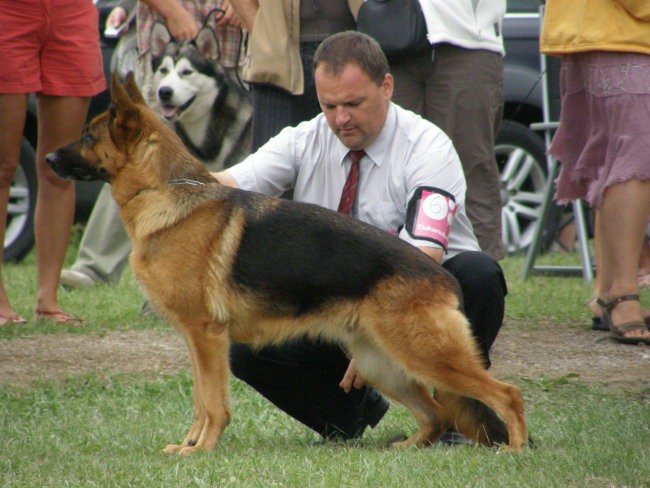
473, 419
434, 345
428, 413
209, 345
377, 369
506, 400
199, 411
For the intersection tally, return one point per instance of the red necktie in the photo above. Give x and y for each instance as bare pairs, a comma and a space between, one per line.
349, 192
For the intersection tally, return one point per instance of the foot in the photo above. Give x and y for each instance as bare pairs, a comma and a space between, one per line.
11, 319
55, 316
76, 279
625, 319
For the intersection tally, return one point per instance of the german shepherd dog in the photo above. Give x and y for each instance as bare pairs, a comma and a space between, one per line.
223, 265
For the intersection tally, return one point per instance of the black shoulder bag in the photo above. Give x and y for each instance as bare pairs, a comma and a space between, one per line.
397, 25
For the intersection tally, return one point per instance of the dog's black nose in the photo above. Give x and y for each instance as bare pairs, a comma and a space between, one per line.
165, 93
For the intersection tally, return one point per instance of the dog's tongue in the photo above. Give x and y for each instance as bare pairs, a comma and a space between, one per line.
169, 112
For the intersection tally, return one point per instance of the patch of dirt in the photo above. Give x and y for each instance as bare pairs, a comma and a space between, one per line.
553, 350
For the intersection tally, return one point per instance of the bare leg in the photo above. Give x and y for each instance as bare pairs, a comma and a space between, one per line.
623, 219
12, 120
60, 122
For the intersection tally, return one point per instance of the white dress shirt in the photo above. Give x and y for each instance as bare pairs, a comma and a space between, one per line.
408, 154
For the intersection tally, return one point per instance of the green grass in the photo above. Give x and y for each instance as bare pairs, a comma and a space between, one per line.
109, 431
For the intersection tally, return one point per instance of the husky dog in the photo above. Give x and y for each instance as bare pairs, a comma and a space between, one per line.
201, 99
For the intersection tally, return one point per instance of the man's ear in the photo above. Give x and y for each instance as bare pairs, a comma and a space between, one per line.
388, 85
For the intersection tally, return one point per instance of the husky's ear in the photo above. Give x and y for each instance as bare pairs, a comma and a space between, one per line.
160, 37
132, 89
124, 123
207, 43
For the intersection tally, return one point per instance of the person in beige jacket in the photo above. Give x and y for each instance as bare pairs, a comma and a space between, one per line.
603, 140
283, 36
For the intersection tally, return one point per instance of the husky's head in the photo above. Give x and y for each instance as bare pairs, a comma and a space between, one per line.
187, 75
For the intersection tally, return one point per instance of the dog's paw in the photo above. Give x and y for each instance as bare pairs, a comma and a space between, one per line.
172, 449
187, 450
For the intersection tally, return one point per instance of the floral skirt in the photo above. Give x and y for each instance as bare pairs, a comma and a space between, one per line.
604, 133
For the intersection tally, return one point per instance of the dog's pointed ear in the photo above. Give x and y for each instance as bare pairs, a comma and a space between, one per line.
119, 95
132, 89
160, 37
207, 43
125, 116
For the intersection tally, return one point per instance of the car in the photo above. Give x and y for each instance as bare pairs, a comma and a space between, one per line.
520, 152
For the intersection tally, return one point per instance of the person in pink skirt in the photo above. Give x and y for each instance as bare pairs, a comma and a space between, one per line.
603, 140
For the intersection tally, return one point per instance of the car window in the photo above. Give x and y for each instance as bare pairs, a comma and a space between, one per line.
523, 6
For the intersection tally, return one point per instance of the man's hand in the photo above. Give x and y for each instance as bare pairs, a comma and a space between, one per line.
351, 379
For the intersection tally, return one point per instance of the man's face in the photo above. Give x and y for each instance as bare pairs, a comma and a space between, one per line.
354, 106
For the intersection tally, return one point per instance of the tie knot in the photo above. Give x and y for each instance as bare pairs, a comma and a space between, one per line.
356, 155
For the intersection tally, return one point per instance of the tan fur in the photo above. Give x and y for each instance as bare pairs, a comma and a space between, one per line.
406, 335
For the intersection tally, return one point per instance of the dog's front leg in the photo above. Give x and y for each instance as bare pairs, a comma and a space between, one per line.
209, 346
199, 411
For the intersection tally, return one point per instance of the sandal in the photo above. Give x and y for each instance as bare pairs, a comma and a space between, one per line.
11, 319
56, 316
618, 331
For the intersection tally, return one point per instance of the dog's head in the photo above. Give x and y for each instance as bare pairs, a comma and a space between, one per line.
128, 139
187, 76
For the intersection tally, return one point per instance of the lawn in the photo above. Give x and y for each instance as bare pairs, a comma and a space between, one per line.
99, 430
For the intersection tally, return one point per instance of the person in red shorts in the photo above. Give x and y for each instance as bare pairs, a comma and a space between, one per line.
50, 48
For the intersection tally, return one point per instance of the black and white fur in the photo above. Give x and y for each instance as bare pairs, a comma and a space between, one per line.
200, 98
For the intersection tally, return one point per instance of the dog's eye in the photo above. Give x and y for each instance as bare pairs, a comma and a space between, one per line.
164, 70
186, 72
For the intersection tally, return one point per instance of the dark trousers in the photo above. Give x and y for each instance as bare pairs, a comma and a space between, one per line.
302, 378
274, 109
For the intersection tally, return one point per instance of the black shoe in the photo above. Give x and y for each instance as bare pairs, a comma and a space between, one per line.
453, 438
368, 413
374, 406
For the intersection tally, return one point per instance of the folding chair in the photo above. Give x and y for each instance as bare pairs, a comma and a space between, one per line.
550, 68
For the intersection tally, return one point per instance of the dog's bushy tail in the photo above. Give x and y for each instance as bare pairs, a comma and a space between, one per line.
473, 419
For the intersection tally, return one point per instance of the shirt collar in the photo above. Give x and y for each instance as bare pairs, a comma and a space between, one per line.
378, 148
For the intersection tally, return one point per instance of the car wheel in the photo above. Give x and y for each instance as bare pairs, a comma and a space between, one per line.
19, 234
520, 155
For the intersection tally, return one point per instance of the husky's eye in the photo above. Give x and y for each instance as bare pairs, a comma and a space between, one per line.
164, 70
186, 72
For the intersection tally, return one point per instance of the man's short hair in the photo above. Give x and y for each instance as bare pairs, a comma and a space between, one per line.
352, 47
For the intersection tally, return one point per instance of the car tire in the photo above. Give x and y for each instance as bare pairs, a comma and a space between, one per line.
521, 158
19, 233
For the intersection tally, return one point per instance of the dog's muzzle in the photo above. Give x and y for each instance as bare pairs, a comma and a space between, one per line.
71, 166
